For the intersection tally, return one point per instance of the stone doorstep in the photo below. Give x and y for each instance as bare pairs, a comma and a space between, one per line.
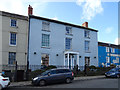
13, 84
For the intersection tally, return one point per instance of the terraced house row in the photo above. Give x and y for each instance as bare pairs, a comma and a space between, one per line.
35, 41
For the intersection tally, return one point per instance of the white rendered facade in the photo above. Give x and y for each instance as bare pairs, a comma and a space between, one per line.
56, 50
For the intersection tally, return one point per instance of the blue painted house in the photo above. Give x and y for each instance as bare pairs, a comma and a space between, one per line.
108, 54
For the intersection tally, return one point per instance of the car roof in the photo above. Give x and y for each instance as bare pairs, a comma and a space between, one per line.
59, 69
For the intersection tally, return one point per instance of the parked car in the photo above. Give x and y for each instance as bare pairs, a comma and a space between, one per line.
115, 72
53, 76
4, 82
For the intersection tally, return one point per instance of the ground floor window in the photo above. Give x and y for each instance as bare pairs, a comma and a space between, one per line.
12, 58
87, 61
45, 59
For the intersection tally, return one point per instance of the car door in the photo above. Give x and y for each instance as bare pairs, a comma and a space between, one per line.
60, 76
51, 78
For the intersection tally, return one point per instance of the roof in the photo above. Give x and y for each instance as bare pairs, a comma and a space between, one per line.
108, 45
61, 22
13, 15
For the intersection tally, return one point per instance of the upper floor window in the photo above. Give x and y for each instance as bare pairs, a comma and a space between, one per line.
13, 22
68, 43
113, 50
45, 25
87, 34
107, 49
87, 46
12, 58
45, 40
13, 38
68, 30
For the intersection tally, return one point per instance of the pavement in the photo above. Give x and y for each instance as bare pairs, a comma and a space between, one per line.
26, 83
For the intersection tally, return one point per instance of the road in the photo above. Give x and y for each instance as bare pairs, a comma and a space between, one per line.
95, 83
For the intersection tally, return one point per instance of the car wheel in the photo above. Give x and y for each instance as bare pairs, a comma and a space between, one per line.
68, 80
118, 76
42, 82
0, 87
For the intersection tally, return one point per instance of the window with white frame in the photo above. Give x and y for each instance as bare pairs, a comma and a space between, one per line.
12, 58
107, 59
68, 30
13, 38
107, 49
45, 59
87, 34
68, 43
45, 40
87, 46
45, 26
113, 50
13, 23
87, 61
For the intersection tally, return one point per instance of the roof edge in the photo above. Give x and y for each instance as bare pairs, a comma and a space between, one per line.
61, 22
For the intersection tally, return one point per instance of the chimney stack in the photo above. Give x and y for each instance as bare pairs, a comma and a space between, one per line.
30, 10
85, 24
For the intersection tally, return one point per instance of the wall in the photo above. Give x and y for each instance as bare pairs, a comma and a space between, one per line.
102, 54
57, 43
22, 40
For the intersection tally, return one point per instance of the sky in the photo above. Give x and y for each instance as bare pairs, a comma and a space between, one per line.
101, 15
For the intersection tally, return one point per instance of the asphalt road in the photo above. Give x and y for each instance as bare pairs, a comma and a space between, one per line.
95, 83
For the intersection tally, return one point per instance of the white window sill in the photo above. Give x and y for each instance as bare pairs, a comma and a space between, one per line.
87, 52
12, 45
46, 30
14, 26
69, 34
87, 37
45, 47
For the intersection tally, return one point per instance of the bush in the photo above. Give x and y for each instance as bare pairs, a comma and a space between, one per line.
35, 73
93, 71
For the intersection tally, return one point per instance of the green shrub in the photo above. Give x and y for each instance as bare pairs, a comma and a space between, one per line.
92, 67
35, 73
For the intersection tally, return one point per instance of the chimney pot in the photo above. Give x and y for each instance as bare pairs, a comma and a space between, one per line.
85, 24
30, 10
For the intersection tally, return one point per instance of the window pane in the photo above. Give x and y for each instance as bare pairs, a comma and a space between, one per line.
45, 25
45, 40
12, 57
68, 30
68, 44
87, 34
13, 38
87, 61
45, 59
13, 22
87, 45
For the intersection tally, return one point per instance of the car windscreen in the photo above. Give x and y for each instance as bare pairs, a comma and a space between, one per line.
45, 73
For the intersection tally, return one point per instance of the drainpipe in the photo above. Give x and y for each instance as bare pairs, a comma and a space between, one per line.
109, 54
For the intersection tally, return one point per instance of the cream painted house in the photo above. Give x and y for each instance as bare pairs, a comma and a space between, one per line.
13, 39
